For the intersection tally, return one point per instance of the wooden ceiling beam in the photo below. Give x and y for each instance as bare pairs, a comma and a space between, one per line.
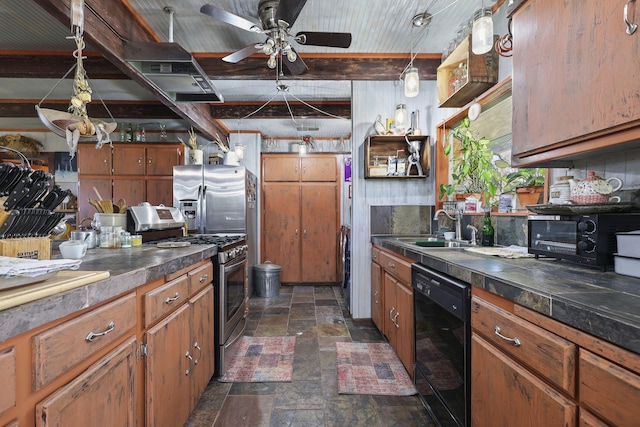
54, 65
119, 109
106, 26
279, 110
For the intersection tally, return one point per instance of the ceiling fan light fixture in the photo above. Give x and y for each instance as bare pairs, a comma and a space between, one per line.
291, 56
411, 83
268, 47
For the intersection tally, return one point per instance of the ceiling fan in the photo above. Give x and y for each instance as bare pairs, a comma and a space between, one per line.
276, 19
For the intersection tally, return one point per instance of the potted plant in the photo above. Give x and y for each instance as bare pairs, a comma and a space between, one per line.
473, 170
528, 184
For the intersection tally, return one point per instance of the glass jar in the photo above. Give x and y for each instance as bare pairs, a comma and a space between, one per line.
136, 240
125, 240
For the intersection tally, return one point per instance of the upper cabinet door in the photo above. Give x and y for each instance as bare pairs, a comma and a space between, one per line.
128, 160
281, 168
319, 169
92, 161
161, 160
576, 79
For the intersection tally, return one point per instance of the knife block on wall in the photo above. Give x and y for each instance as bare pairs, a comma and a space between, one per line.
27, 247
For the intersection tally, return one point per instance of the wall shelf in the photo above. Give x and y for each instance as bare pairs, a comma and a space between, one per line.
384, 146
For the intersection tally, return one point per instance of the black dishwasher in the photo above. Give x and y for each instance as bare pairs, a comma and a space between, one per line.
442, 345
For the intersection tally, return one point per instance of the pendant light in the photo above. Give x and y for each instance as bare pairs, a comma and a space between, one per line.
411, 83
482, 32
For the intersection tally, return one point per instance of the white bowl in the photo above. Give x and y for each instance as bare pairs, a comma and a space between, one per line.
449, 235
73, 249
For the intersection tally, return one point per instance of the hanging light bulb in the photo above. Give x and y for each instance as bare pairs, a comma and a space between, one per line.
482, 32
268, 46
291, 55
400, 116
411, 83
271, 63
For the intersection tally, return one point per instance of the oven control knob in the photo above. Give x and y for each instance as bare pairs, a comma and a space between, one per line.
587, 226
586, 245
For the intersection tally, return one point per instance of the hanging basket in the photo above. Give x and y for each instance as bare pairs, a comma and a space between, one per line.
59, 121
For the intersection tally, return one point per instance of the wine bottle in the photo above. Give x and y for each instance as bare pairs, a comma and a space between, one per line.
487, 230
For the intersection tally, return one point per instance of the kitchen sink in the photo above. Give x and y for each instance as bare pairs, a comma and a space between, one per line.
431, 241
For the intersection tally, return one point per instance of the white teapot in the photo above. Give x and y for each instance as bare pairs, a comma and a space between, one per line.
594, 189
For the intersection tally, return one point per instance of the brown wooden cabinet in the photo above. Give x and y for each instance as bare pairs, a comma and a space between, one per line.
552, 375
575, 89
377, 297
8, 375
133, 172
301, 215
180, 346
395, 304
103, 395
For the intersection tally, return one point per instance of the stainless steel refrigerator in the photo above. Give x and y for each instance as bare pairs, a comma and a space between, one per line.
219, 199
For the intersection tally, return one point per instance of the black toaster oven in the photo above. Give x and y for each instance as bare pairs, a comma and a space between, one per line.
585, 239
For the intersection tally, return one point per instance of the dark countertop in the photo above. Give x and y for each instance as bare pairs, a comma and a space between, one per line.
603, 304
128, 268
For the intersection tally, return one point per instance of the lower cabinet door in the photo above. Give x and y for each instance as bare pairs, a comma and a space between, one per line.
104, 395
503, 393
202, 341
169, 366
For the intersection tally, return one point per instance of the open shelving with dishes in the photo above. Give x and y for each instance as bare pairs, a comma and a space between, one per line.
379, 150
464, 75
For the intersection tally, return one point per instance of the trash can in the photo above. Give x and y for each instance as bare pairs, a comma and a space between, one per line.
267, 279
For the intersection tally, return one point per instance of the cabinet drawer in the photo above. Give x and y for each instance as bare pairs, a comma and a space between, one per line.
552, 357
609, 391
62, 347
164, 299
397, 266
200, 276
8, 375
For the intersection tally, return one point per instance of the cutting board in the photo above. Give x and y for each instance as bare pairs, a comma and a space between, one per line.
62, 281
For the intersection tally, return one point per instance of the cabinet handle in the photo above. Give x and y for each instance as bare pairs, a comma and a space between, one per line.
169, 300
91, 335
392, 265
296, 169
196, 346
140, 161
296, 232
515, 341
188, 356
395, 322
204, 278
631, 27
391, 312
304, 232
375, 295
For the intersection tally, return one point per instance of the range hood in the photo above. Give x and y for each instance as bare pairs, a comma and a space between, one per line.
172, 69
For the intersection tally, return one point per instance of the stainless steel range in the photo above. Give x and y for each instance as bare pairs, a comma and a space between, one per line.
231, 289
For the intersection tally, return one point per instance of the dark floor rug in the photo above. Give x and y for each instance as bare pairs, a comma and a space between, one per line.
261, 359
371, 368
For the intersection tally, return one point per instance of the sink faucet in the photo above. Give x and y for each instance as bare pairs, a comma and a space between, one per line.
474, 232
457, 219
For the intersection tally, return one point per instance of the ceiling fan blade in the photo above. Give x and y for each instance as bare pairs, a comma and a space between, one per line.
288, 10
230, 18
241, 54
296, 67
324, 39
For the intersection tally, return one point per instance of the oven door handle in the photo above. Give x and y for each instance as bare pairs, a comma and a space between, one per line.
516, 342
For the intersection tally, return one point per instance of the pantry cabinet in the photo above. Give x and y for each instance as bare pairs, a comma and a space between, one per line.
549, 373
301, 216
395, 306
133, 172
575, 88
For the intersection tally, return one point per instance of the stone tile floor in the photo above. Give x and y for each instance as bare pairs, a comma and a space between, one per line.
318, 318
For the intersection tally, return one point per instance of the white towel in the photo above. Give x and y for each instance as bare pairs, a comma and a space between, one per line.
10, 266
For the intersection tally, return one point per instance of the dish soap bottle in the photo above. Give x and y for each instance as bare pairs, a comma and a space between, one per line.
487, 230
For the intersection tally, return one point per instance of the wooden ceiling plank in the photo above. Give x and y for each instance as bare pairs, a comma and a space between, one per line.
119, 110
280, 110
